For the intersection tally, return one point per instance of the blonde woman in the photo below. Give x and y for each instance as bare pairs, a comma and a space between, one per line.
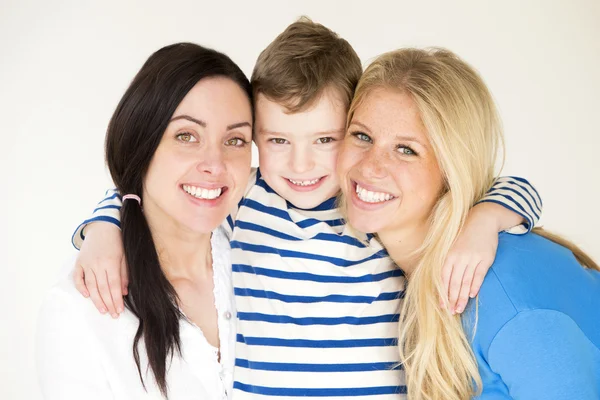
423, 136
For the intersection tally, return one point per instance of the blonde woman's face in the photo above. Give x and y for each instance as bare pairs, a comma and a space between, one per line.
387, 168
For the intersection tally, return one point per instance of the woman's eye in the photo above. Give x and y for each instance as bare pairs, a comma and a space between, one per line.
278, 141
363, 137
324, 140
407, 151
186, 137
236, 142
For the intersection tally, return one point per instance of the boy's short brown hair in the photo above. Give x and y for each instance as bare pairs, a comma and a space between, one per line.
302, 61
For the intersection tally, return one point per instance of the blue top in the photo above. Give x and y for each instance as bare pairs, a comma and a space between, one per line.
538, 328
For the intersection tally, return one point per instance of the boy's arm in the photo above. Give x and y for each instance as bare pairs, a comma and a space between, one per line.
107, 210
518, 195
512, 204
100, 270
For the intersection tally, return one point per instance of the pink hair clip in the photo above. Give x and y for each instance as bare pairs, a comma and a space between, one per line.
133, 197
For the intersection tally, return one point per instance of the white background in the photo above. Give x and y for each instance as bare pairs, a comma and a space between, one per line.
65, 64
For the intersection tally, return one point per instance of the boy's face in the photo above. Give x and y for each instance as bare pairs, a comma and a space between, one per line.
298, 152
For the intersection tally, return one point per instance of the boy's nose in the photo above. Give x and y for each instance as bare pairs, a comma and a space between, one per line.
301, 160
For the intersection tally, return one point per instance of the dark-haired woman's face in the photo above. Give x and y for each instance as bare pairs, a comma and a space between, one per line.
201, 167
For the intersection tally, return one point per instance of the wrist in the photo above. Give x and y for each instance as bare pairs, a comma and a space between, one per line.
489, 216
99, 227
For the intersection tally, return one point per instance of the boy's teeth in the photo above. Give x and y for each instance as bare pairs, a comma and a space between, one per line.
305, 183
372, 197
200, 193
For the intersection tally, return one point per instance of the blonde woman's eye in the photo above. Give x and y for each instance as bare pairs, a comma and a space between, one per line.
186, 137
278, 141
407, 151
363, 137
236, 142
325, 140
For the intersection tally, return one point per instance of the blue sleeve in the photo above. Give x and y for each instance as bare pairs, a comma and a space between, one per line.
543, 354
107, 210
518, 195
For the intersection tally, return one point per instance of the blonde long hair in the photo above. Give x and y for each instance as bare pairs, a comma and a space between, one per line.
465, 131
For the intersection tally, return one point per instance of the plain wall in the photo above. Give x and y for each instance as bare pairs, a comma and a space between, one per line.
65, 64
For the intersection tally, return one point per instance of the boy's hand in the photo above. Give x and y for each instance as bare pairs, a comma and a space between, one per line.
474, 252
100, 270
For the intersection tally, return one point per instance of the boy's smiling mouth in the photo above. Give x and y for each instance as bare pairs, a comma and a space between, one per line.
305, 185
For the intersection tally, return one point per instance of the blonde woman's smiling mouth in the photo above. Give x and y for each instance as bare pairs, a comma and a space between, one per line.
369, 197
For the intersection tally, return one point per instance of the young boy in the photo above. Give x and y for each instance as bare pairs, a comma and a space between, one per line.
317, 305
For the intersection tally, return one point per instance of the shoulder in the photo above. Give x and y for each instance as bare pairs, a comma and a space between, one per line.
63, 301
532, 273
532, 250
521, 262
527, 269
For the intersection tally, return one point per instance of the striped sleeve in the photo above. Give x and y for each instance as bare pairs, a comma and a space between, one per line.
229, 222
107, 210
518, 195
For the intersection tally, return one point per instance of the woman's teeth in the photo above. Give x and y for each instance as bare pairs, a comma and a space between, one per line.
305, 183
372, 197
200, 193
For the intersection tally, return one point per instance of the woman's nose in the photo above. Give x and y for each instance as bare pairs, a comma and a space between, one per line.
373, 165
212, 162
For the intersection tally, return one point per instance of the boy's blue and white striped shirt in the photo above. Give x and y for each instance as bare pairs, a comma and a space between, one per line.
317, 305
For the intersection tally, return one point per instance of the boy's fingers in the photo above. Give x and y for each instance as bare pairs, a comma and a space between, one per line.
458, 271
90, 282
478, 278
463, 297
79, 281
104, 290
114, 284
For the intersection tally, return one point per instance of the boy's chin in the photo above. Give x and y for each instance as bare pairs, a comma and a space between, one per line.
306, 201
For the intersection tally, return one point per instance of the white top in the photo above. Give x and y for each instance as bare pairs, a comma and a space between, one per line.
82, 354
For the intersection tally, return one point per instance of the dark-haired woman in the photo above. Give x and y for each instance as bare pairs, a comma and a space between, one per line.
178, 145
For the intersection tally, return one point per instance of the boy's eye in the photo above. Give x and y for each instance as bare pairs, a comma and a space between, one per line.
363, 137
324, 140
278, 141
186, 137
236, 142
407, 151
